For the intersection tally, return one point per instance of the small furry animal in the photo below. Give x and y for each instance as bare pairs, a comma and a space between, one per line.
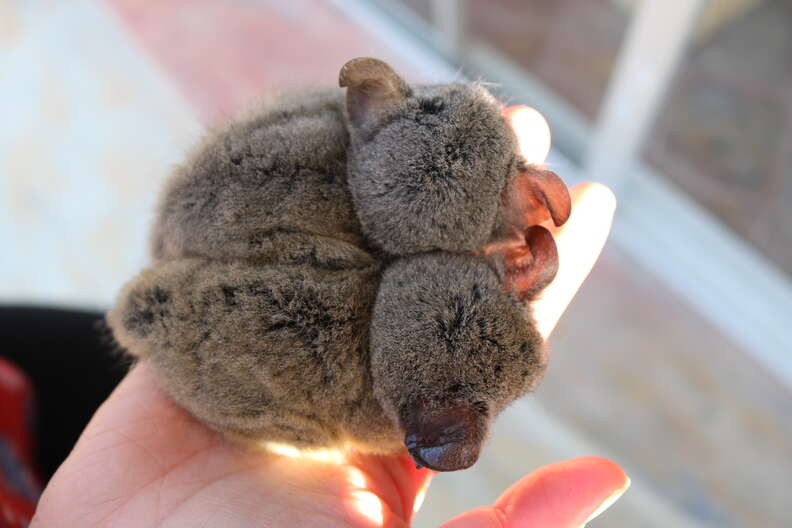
351, 268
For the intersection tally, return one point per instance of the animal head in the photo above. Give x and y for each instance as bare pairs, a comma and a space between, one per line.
438, 180
437, 167
449, 350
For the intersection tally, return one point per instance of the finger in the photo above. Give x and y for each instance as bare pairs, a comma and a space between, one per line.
532, 130
563, 495
422, 478
567, 493
395, 480
579, 243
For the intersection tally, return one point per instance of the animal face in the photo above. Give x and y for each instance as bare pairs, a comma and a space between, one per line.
449, 351
438, 167
427, 172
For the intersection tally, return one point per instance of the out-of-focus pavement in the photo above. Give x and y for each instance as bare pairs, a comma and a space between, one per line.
101, 98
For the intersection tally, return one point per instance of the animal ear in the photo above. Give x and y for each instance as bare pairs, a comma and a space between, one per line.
532, 265
372, 87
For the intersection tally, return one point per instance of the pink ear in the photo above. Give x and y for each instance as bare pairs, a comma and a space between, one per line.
549, 190
538, 188
533, 196
532, 266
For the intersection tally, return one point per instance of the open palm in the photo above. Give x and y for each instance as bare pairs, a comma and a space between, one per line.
143, 461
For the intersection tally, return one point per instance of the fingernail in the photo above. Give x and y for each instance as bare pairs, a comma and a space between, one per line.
607, 502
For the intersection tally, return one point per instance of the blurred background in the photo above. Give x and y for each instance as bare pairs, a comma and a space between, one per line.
674, 360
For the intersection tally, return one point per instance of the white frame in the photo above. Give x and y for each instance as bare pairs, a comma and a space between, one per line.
656, 40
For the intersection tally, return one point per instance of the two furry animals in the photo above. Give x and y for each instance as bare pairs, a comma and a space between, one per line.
351, 268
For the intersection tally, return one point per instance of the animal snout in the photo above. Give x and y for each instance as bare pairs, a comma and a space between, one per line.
445, 438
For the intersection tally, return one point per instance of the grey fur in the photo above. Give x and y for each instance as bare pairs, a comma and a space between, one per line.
314, 274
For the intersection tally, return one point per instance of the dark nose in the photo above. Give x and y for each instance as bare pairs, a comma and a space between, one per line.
444, 439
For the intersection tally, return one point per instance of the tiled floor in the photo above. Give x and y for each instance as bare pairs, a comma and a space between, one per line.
106, 96
225, 55
88, 130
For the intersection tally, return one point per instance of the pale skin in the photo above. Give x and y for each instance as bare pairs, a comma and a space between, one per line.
143, 461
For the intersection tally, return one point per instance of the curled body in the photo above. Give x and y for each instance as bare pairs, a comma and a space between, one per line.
350, 268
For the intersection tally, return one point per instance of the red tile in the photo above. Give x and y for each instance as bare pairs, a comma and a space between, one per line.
224, 55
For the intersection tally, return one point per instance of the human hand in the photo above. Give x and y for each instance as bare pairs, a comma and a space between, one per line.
143, 461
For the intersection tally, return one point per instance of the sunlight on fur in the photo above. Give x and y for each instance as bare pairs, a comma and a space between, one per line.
368, 505
333, 456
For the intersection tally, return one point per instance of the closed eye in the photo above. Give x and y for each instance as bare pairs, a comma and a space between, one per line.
435, 105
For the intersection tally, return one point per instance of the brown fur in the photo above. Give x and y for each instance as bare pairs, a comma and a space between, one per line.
313, 278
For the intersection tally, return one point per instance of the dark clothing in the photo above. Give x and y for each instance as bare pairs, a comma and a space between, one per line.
72, 367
